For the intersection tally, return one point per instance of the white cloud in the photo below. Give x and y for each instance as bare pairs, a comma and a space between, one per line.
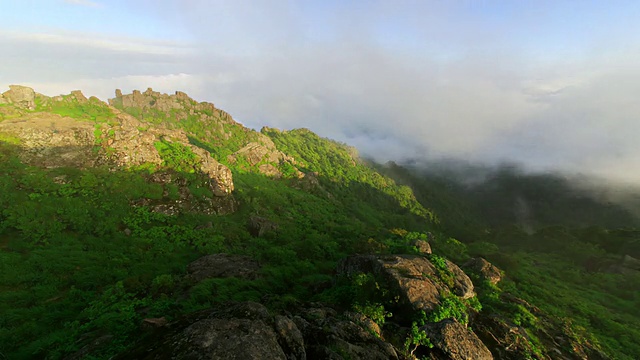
394, 80
128, 45
84, 3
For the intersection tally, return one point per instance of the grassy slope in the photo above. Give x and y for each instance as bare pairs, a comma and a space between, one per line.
107, 282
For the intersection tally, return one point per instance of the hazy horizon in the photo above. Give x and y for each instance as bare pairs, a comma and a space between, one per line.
550, 85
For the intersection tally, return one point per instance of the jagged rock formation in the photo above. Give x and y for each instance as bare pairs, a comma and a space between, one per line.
419, 286
215, 126
21, 96
51, 140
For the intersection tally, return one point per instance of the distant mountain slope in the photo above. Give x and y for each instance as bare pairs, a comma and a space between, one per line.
563, 243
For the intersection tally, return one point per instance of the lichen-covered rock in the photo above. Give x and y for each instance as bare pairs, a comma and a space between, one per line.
462, 284
223, 266
21, 96
485, 269
412, 278
248, 331
455, 341
220, 175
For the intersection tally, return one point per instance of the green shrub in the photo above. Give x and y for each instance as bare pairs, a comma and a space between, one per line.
450, 306
177, 156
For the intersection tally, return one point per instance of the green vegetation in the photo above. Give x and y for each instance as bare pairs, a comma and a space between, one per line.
344, 176
108, 277
177, 156
450, 306
125, 261
416, 338
9, 139
213, 130
90, 110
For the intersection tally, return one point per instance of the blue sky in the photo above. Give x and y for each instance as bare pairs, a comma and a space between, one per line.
551, 84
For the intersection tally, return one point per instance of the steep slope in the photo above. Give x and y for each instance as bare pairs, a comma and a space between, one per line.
157, 226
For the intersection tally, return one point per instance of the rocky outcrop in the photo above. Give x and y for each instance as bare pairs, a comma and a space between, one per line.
462, 284
510, 341
264, 153
310, 182
214, 126
420, 285
506, 340
131, 142
254, 153
20, 96
222, 266
259, 226
290, 338
50, 140
327, 336
454, 341
161, 102
242, 331
152, 104
422, 246
249, 331
414, 279
484, 269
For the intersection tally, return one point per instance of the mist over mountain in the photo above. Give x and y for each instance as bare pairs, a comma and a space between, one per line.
311, 179
549, 85
509, 193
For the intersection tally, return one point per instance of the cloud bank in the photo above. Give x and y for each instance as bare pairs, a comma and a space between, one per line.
399, 80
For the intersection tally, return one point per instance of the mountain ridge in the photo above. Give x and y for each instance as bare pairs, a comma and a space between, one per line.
149, 183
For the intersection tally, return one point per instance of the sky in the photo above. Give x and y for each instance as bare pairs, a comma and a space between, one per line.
553, 85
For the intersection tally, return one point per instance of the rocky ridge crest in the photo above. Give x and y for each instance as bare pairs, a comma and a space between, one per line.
50, 135
213, 125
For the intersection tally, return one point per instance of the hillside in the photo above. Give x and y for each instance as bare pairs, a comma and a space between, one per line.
155, 225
